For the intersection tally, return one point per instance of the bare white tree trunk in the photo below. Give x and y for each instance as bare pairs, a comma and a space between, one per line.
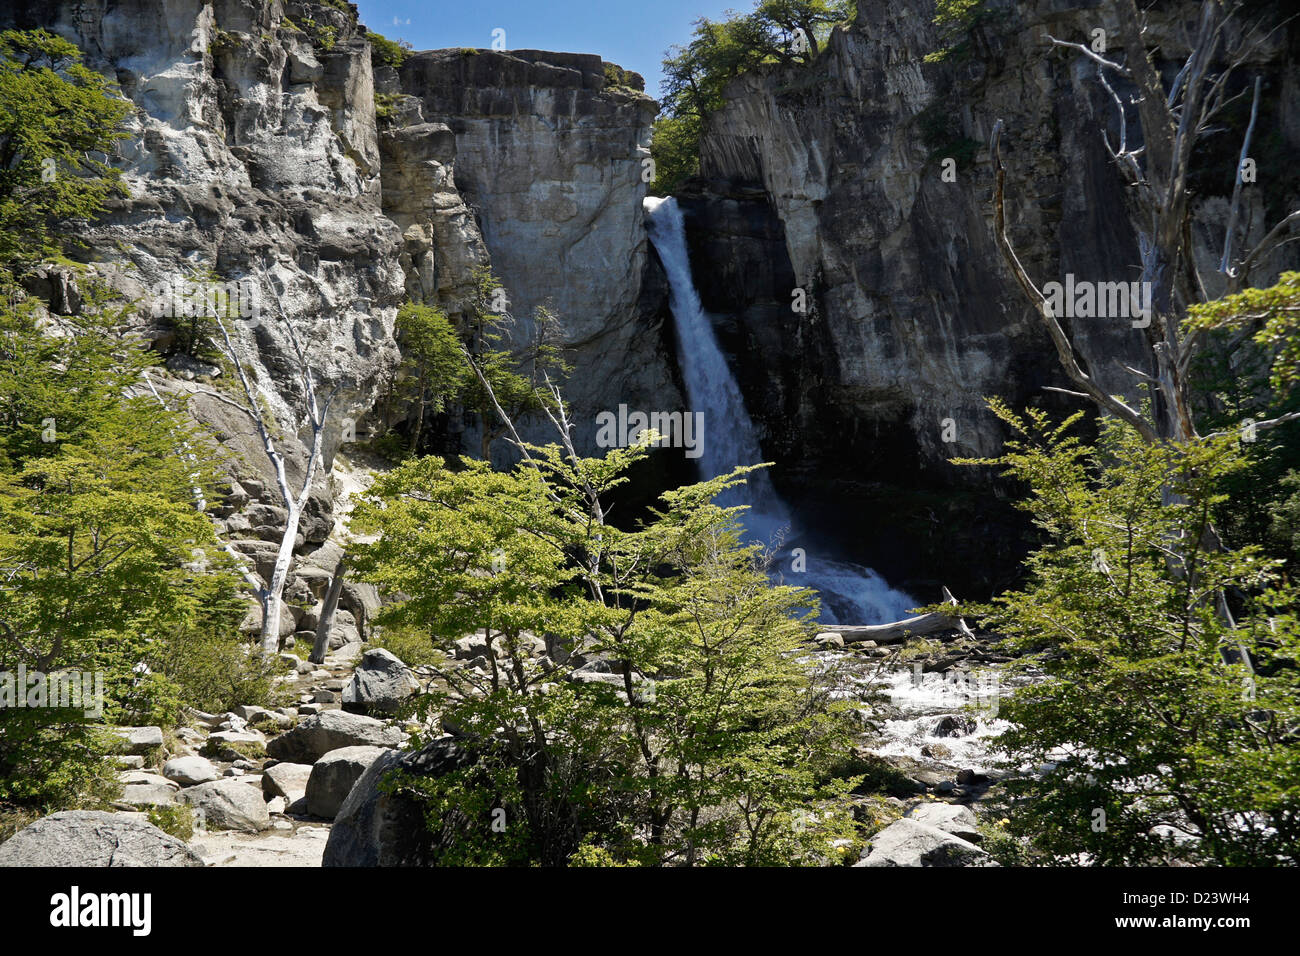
272, 596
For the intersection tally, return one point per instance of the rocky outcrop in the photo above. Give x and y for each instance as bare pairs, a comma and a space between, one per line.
909, 843
94, 838
550, 160
379, 828
333, 776
316, 736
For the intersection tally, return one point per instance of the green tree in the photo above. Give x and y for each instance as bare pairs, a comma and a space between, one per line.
695, 75
431, 354
701, 741
1165, 744
55, 116
103, 555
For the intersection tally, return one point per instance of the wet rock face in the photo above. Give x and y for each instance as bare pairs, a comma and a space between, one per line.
828, 177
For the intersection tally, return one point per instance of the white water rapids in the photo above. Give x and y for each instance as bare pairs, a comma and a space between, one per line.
850, 593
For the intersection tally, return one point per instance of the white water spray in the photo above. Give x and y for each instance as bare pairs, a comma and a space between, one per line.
850, 593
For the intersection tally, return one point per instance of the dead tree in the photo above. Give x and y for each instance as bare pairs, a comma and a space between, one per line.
330, 605
1172, 120
271, 596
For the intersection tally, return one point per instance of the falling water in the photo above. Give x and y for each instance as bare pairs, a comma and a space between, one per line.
850, 593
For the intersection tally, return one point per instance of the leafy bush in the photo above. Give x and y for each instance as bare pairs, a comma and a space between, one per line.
386, 52
1167, 720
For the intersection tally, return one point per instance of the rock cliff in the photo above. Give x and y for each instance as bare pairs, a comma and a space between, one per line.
828, 178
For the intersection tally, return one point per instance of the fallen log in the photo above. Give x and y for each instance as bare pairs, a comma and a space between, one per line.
899, 631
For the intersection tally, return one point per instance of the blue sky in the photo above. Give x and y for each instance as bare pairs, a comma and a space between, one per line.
631, 33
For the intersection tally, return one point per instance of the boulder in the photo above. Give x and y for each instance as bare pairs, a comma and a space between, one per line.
94, 838
333, 777
909, 843
288, 780
140, 740
380, 683
190, 771
330, 730
147, 795
228, 804
374, 828
950, 817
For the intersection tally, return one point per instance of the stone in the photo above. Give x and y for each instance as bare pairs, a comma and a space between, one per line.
190, 771
907, 842
374, 828
94, 838
228, 805
333, 776
288, 780
316, 736
971, 778
140, 740
147, 795
949, 817
380, 684
302, 847
954, 725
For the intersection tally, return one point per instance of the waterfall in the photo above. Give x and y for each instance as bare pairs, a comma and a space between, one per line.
850, 593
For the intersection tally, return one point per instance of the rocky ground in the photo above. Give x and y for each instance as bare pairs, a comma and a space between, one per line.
265, 787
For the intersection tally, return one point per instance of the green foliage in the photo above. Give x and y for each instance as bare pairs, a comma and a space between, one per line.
1272, 315
386, 52
177, 820
956, 19
675, 148
696, 75
409, 645
102, 552
1245, 368
323, 35
56, 115
712, 734
619, 78
386, 105
941, 133
1147, 710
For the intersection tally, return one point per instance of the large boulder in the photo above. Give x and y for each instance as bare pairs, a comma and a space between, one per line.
288, 780
331, 730
909, 843
190, 771
380, 683
140, 740
94, 838
229, 804
950, 818
334, 775
374, 828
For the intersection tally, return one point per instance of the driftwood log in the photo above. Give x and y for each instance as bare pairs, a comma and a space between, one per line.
935, 622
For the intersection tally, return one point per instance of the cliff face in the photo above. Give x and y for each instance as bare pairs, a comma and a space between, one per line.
257, 152
828, 178
550, 160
